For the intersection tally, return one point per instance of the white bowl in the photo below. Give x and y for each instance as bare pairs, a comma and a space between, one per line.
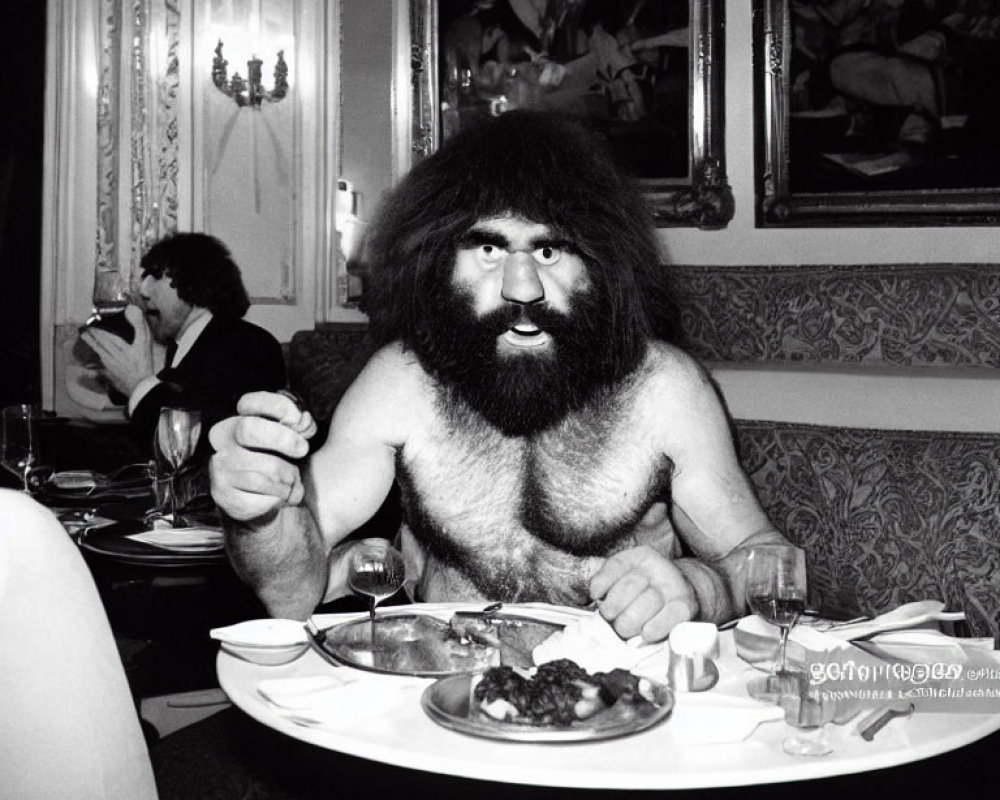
266, 655
269, 642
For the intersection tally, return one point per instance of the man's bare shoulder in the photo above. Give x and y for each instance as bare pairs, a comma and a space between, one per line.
670, 369
390, 390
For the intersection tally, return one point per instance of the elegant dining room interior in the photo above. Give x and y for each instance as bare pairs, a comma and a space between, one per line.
853, 331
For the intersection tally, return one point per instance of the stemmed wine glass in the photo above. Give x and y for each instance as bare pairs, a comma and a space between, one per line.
376, 572
809, 712
20, 449
177, 434
776, 592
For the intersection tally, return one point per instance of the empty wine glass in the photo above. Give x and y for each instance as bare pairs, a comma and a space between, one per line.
776, 592
19, 443
376, 572
177, 433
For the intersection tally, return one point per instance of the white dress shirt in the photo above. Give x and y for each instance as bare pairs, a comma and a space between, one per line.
195, 323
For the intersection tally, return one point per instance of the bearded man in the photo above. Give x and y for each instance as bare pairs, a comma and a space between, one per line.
547, 446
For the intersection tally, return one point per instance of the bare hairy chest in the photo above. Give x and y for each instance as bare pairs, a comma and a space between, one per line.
579, 488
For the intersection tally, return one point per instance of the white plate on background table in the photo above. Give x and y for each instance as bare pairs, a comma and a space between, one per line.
112, 542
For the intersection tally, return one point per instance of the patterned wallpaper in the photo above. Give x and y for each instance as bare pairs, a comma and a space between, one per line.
888, 315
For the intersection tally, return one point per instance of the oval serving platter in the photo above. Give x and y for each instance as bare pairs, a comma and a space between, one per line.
448, 702
420, 645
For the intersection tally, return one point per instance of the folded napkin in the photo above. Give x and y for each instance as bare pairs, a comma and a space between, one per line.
338, 701
710, 718
918, 614
76, 479
593, 644
181, 540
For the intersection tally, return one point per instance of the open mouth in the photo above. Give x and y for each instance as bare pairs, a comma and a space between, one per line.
525, 334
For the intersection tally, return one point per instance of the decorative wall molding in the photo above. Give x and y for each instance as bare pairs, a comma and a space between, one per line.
901, 315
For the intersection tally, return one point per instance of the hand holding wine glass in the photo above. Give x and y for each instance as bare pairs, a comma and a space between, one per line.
376, 572
776, 592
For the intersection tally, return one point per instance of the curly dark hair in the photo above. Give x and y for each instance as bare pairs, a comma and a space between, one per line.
202, 270
543, 166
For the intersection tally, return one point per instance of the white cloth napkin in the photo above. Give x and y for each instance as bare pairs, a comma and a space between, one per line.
182, 540
593, 644
711, 718
338, 701
905, 617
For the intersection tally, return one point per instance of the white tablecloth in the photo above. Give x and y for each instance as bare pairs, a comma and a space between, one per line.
659, 758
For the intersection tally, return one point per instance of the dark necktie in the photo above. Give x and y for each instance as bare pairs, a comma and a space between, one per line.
171, 352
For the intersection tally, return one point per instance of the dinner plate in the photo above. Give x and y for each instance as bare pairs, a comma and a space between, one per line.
419, 644
447, 702
112, 542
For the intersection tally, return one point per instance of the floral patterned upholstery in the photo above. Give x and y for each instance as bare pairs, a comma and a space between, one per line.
885, 517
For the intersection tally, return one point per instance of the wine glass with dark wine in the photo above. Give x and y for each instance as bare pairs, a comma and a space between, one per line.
776, 592
376, 572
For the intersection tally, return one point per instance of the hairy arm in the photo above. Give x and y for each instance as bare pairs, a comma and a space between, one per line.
715, 508
647, 589
287, 521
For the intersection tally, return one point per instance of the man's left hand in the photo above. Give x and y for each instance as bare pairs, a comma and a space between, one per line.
123, 364
641, 591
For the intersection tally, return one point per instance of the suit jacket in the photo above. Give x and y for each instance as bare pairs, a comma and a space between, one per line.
229, 358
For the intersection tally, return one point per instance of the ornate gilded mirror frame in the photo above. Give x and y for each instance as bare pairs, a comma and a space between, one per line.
702, 199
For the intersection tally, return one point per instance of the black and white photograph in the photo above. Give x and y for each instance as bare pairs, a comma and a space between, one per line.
499, 399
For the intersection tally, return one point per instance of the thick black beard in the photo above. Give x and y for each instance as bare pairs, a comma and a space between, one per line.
527, 392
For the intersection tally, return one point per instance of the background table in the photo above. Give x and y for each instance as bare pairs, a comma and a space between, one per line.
654, 759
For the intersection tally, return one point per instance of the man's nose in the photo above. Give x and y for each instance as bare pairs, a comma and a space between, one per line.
521, 283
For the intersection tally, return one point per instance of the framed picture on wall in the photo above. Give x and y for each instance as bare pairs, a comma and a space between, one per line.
646, 74
877, 112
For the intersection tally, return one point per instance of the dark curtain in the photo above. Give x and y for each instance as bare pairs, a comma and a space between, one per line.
22, 94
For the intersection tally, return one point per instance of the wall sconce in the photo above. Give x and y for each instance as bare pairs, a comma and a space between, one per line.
250, 91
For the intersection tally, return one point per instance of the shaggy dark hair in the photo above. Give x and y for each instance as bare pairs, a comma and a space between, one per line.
544, 167
202, 270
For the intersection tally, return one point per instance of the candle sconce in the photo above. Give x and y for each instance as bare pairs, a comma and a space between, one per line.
250, 91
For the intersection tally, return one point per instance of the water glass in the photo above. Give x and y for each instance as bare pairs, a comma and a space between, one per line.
19, 443
176, 439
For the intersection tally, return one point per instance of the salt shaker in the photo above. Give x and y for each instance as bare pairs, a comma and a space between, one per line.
693, 645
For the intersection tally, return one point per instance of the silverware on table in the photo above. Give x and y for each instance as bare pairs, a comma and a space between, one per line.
880, 717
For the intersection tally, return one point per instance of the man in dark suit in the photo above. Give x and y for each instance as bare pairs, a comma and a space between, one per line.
192, 300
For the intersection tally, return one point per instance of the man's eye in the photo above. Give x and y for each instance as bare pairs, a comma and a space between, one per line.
546, 256
491, 253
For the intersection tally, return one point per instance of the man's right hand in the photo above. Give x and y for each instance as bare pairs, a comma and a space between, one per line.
254, 471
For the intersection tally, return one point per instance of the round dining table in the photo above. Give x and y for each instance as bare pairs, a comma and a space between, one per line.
710, 739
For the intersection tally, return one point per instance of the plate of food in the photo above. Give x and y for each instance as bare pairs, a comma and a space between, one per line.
426, 645
558, 701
